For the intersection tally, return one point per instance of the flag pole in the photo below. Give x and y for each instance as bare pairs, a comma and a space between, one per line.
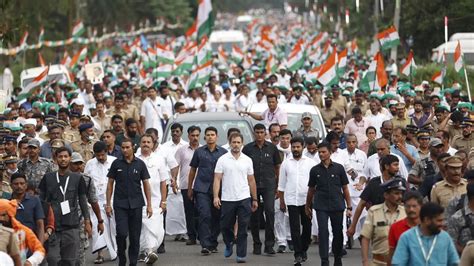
467, 84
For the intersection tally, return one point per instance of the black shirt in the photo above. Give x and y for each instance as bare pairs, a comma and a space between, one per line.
128, 178
373, 193
264, 161
328, 183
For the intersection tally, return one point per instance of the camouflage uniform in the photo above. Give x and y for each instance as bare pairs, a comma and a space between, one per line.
424, 167
91, 198
71, 134
461, 226
35, 171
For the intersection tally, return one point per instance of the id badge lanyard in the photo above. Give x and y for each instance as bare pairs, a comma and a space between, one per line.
423, 251
63, 190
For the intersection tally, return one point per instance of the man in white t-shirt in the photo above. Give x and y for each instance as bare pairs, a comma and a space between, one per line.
239, 196
150, 114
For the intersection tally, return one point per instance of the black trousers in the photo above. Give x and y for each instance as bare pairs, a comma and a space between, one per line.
209, 216
336, 218
191, 216
229, 212
268, 196
128, 223
301, 239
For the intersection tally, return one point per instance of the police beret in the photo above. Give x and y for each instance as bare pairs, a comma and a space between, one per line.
83, 127
396, 183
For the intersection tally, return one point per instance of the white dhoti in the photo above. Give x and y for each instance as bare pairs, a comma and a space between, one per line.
108, 234
355, 201
175, 218
153, 232
282, 225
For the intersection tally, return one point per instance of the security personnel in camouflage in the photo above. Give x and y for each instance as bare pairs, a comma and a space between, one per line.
461, 223
379, 219
35, 167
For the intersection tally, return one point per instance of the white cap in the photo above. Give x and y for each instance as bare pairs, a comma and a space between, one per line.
30, 121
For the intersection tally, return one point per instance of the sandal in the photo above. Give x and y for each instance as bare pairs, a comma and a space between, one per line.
99, 260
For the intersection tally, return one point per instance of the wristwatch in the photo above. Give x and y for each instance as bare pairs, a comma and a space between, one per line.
101, 221
349, 208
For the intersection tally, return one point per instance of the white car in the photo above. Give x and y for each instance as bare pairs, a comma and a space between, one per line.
56, 72
294, 112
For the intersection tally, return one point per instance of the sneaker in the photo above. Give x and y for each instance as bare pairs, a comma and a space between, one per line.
180, 238
142, 257
298, 261
257, 249
190, 242
280, 249
205, 252
214, 250
269, 251
240, 259
229, 249
151, 258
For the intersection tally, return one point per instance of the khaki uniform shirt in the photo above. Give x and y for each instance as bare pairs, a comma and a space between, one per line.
5, 190
123, 113
103, 122
443, 192
85, 149
376, 227
8, 241
328, 114
467, 257
340, 104
133, 112
318, 100
461, 143
71, 134
397, 122
364, 107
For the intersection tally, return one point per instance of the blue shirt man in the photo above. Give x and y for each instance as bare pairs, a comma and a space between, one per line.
204, 162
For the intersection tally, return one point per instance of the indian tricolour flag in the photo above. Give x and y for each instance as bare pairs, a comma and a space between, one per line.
204, 72
79, 56
164, 55
458, 61
341, 65
23, 40
204, 52
163, 71
408, 69
40, 79
78, 29
41, 60
271, 65
328, 73
313, 74
205, 19
66, 60
438, 77
376, 77
296, 58
388, 38
222, 55
237, 54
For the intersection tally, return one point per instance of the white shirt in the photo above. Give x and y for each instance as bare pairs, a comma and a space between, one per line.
194, 103
166, 105
183, 157
152, 113
98, 172
355, 161
452, 151
376, 121
241, 102
314, 157
302, 100
338, 157
155, 164
215, 106
167, 152
230, 103
294, 177
372, 168
235, 172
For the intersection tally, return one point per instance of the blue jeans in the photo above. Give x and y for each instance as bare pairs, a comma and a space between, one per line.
230, 210
208, 227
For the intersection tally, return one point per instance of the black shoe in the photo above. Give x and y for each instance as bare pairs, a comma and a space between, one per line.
281, 249
269, 251
305, 256
205, 252
161, 249
337, 262
190, 242
298, 261
343, 252
349, 244
214, 250
180, 238
257, 249
290, 245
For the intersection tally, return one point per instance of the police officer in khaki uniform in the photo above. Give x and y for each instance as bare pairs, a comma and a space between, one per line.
466, 140
71, 132
452, 186
379, 219
467, 257
84, 146
5, 189
9, 243
328, 111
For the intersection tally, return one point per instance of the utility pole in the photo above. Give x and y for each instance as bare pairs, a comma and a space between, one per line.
396, 22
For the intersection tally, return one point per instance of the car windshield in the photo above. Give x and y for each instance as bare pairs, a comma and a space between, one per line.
222, 127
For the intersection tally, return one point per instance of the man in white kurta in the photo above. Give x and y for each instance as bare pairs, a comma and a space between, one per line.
151, 112
153, 232
97, 168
